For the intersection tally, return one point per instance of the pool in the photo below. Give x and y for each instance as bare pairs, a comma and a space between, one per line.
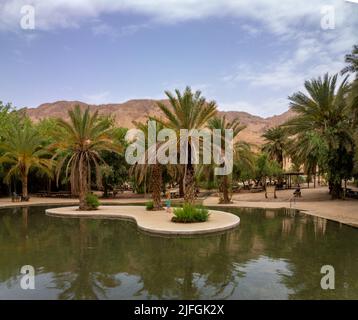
273, 254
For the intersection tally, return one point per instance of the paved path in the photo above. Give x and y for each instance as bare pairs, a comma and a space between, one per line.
314, 201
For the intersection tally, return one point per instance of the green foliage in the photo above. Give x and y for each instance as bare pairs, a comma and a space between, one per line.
322, 132
22, 150
276, 143
92, 201
190, 213
149, 206
266, 168
78, 147
115, 170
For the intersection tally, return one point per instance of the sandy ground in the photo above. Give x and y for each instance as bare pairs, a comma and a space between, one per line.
313, 201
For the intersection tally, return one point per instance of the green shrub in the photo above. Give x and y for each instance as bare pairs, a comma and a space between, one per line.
190, 213
149, 206
92, 201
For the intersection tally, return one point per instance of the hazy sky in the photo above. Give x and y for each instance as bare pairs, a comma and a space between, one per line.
248, 55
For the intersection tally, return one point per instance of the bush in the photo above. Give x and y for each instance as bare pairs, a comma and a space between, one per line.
149, 206
190, 213
92, 201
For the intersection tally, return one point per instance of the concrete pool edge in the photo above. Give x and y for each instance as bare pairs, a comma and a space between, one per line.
317, 209
157, 222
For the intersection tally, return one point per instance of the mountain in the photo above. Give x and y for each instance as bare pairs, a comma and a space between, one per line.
139, 110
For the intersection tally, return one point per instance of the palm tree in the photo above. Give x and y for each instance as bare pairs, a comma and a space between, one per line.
78, 147
325, 111
154, 170
309, 149
241, 149
275, 145
352, 61
23, 150
189, 111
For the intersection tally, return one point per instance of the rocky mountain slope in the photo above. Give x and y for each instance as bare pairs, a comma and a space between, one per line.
139, 110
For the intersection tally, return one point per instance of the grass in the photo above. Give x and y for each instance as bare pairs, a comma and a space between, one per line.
149, 206
92, 201
190, 213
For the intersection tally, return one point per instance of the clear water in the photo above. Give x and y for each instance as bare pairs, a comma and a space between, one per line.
274, 254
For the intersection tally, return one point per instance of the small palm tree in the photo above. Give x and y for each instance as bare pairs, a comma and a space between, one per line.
78, 146
189, 111
154, 170
241, 149
275, 144
23, 150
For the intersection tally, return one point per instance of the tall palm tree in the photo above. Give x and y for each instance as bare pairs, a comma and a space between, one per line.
78, 148
241, 149
154, 170
23, 150
275, 145
325, 111
188, 110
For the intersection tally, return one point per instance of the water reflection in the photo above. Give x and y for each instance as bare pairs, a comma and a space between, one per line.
275, 254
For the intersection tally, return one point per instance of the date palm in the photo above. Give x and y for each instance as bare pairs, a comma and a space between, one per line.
324, 111
275, 144
78, 145
352, 62
241, 150
154, 170
187, 110
23, 150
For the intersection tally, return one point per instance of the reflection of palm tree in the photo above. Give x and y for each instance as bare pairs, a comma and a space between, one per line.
85, 283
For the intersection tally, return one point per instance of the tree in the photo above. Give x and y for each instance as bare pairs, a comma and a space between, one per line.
23, 150
276, 142
352, 62
153, 168
309, 149
352, 67
78, 147
241, 149
266, 168
324, 110
189, 111
115, 169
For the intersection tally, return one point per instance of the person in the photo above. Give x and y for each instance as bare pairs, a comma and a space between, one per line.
168, 203
297, 192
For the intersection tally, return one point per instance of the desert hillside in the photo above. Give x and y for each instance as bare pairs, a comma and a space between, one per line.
139, 110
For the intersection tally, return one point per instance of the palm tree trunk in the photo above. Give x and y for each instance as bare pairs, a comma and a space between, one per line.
83, 187
336, 190
24, 181
157, 186
181, 187
189, 191
225, 190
